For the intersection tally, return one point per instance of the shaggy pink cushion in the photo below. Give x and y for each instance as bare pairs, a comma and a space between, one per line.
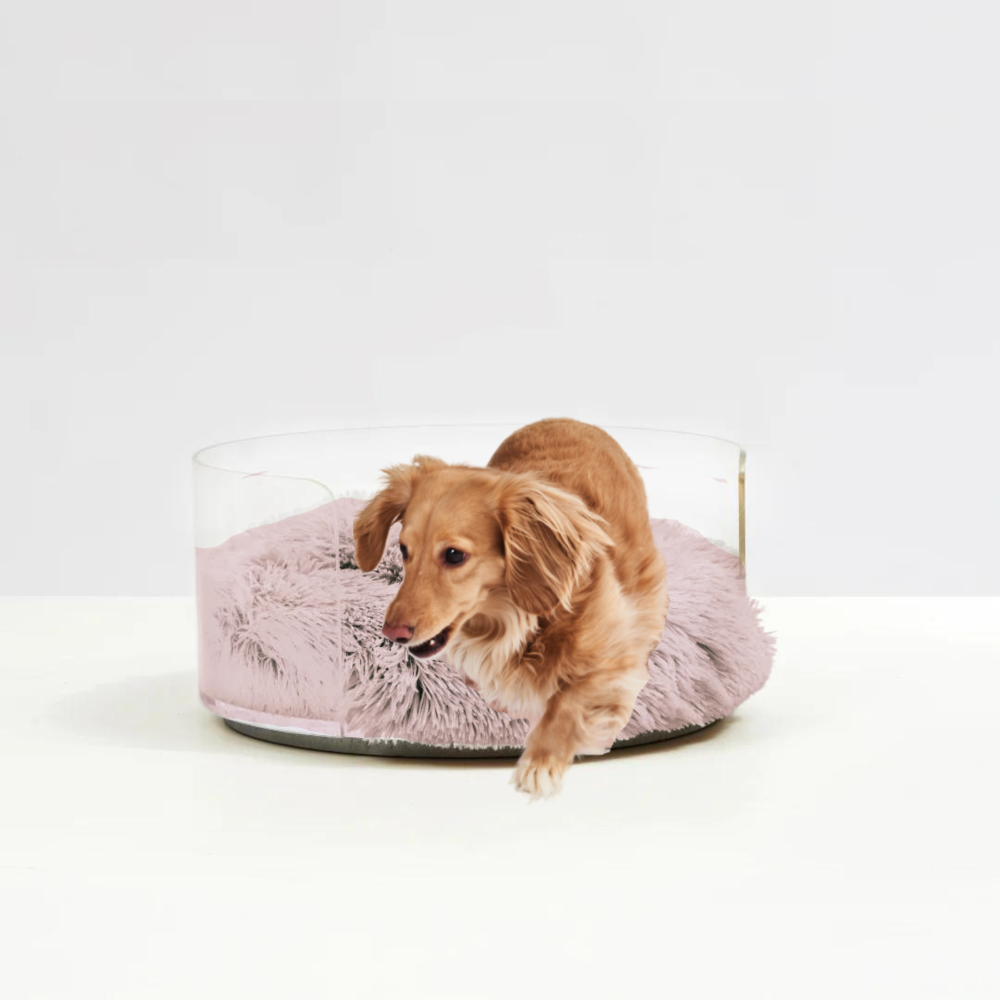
290, 636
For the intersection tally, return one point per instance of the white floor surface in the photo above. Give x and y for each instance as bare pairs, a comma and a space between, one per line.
837, 837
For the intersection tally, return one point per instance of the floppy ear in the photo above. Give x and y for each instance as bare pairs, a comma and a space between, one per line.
372, 524
551, 539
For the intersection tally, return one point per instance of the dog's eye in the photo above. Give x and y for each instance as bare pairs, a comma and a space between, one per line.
454, 556
402, 550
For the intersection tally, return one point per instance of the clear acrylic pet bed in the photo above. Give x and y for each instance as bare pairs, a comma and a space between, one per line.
290, 646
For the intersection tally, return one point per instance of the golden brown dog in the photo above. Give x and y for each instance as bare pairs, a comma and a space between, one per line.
538, 574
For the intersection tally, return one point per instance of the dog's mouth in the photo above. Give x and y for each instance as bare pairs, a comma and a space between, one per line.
433, 645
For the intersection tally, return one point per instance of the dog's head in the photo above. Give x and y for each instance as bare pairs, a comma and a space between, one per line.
468, 532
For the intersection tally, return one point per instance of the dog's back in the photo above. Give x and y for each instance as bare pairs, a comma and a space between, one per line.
587, 461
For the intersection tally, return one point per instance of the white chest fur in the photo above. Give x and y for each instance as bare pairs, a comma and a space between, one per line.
488, 649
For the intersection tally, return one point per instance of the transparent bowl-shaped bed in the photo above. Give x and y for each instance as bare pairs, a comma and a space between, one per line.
290, 646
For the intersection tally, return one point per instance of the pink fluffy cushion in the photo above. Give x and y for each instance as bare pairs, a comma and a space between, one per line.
291, 635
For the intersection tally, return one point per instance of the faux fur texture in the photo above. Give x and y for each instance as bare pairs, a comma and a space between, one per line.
290, 634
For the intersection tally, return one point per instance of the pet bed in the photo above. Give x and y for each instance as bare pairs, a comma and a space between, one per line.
290, 642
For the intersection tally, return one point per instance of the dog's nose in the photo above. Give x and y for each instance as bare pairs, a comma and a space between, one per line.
398, 633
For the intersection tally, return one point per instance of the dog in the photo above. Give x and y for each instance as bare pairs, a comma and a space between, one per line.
538, 575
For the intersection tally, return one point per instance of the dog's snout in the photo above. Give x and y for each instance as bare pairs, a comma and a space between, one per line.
398, 633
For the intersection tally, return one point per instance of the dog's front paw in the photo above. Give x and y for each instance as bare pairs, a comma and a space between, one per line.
539, 776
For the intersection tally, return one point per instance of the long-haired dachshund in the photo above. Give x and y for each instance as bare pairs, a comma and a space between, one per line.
539, 576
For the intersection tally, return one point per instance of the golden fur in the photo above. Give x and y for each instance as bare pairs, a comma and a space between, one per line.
561, 598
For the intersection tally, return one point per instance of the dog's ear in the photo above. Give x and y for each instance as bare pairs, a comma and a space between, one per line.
551, 539
372, 524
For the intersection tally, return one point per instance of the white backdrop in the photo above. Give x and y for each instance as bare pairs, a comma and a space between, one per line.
775, 222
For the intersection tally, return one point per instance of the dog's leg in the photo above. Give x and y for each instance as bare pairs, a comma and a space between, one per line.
585, 717
608, 714
549, 749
